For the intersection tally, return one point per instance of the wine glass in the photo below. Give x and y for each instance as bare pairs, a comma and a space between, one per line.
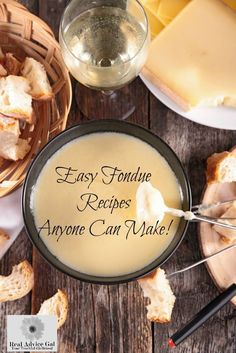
104, 44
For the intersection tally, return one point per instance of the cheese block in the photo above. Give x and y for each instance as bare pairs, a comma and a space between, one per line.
155, 25
168, 10
164, 20
193, 59
152, 5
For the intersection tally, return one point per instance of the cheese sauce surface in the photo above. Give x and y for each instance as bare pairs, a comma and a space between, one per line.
84, 204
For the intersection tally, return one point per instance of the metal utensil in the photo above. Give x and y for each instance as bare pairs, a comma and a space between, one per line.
201, 261
196, 214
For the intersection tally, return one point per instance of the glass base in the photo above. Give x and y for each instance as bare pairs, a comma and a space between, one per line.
118, 104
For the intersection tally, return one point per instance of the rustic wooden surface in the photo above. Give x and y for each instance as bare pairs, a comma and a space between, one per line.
112, 319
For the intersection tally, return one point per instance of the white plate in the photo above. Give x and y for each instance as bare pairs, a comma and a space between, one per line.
218, 117
11, 219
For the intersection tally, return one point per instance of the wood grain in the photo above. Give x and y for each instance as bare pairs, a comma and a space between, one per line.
51, 11
106, 319
193, 143
112, 319
20, 250
32, 5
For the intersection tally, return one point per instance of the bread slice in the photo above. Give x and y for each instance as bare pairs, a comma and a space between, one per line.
227, 235
15, 100
56, 305
221, 167
36, 74
12, 65
19, 283
11, 146
18, 151
4, 237
9, 135
157, 288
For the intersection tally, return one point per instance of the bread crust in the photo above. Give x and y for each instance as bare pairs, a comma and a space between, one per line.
156, 287
12, 65
31, 68
213, 166
18, 284
56, 305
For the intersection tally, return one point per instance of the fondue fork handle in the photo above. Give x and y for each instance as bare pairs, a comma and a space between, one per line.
201, 261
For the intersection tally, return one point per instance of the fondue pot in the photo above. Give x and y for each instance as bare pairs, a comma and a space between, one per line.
82, 130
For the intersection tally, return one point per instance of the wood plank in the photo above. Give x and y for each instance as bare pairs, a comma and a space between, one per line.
101, 316
121, 324
32, 5
193, 143
51, 11
19, 251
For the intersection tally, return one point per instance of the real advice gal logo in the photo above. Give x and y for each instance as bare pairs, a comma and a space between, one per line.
34, 333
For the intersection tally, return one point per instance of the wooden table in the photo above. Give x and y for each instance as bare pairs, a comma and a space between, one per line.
112, 319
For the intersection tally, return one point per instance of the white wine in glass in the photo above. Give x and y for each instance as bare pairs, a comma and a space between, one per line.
104, 45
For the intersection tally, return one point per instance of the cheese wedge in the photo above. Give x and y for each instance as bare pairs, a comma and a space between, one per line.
151, 8
154, 23
169, 9
152, 5
193, 59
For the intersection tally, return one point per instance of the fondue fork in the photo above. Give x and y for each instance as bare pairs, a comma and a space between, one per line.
201, 261
198, 209
196, 214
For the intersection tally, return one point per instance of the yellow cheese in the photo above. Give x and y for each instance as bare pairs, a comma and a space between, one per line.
155, 25
164, 20
151, 7
168, 9
231, 3
193, 60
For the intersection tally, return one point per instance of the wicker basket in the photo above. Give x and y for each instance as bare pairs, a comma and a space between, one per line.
24, 34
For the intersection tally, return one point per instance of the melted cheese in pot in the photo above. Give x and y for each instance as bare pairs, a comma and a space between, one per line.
102, 165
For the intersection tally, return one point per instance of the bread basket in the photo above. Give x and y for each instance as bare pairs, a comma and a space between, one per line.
24, 34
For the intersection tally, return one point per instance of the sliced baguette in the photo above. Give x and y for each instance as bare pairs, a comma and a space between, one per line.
18, 283
12, 65
157, 288
36, 74
18, 151
9, 135
56, 305
227, 235
15, 100
221, 168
